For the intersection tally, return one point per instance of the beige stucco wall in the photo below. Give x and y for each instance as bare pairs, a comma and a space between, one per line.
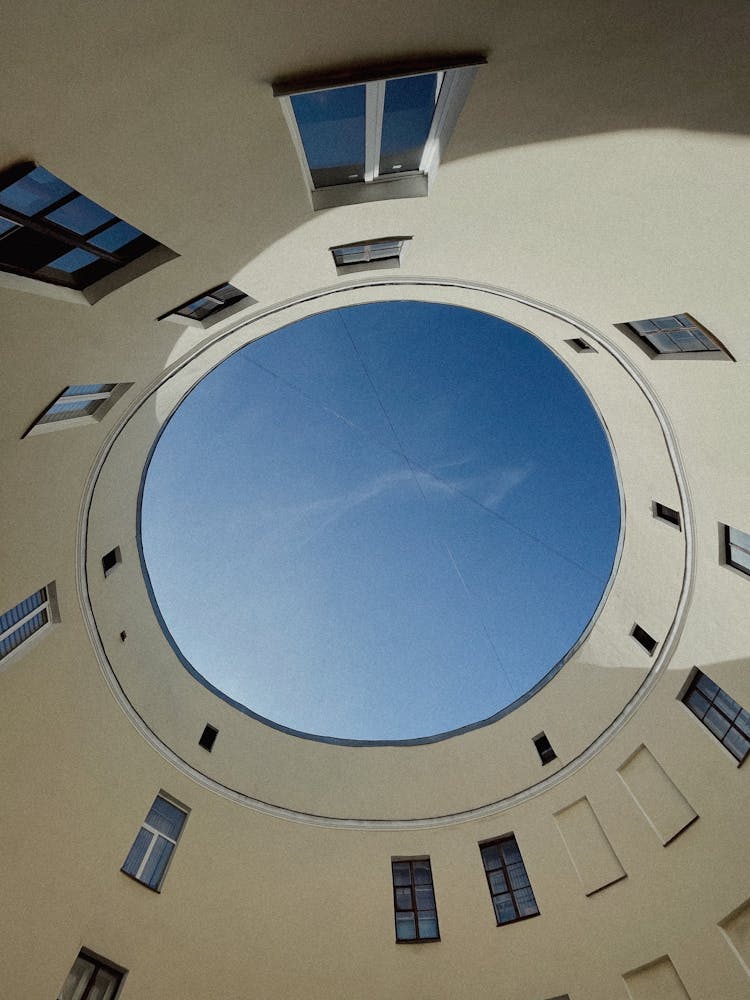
600, 167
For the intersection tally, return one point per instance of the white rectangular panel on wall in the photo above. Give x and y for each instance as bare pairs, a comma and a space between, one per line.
736, 929
662, 803
592, 854
656, 981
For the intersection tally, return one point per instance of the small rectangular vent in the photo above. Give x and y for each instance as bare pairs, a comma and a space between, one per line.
641, 635
208, 738
581, 345
544, 748
665, 513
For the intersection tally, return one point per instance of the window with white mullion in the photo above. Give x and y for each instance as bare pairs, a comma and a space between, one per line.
42, 609
374, 103
26, 619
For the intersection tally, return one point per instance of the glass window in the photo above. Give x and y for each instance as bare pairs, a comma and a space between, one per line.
386, 249
510, 889
737, 548
209, 303
51, 232
22, 621
679, 334
91, 979
414, 901
381, 127
152, 849
76, 401
720, 714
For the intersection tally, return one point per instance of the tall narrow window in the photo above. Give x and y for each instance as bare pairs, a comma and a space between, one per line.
414, 901
25, 619
737, 549
91, 979
510, 889
376, 129
51, 232
720, 714
641, 636
153, 847
79, 404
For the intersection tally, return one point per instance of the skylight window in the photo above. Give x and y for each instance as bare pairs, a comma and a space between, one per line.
674, 336
369, 256
377, 126
79, 404
209, 307
52, 233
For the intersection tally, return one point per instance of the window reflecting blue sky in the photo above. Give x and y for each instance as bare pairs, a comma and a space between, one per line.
382, 522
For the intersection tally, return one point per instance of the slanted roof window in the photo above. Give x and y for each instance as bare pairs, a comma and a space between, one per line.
674, 336
375, 126
79, 404
374, 254
209, 307
51, 232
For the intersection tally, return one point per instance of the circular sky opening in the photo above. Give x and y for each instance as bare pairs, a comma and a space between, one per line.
383, 522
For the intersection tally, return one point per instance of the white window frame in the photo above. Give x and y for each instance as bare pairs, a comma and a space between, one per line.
456, 78
730, 544
49, 605
155, 834
371, 265
107, 401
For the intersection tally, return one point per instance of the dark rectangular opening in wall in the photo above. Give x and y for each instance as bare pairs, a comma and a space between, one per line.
110, 560
544, 748
665, 513
581, 345
208, 738
641, 635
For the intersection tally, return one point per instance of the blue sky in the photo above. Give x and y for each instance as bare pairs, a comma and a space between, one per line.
381, 522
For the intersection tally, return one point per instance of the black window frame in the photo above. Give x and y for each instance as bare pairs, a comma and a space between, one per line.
510, 891
644, 639
544, 748
669, 514
701, 685
414, 909
184, 312
368, 262
34, 231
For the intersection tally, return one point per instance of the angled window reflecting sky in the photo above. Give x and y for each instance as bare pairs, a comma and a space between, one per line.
381, 522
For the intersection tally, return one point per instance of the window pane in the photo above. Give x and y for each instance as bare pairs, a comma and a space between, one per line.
80, 215
497, 882
228, 293
77, 979
737, 744
707, 686
137, 852
643, 326
525, 902
491, 856
407, 116
739, 557
156, 865
697, 703
401, 873
667, 322
737, 537
74, 260
504, 909
663, 343
686, 341
428, 927
716, 722
22, 609
331, 124
6, 225
37, 190
23, 632
517, 876
166, 818
105, 985
116, 236
425, 897
200, 308
86, 390
422, 873
728, 705
406, 928
511, 854
403, 898
742, 722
